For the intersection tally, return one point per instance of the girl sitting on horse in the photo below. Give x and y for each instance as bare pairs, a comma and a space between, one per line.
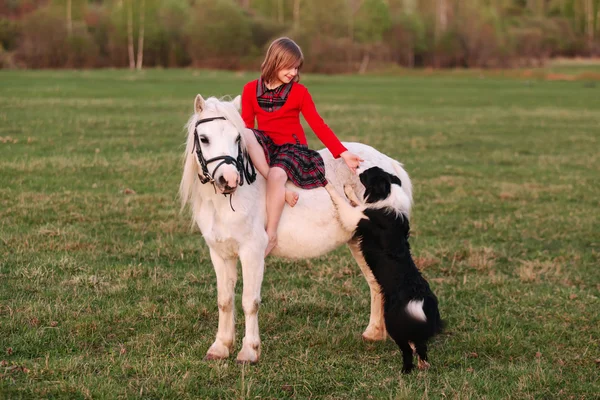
278, 148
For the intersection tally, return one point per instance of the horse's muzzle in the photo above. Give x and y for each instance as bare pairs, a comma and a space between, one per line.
225, 187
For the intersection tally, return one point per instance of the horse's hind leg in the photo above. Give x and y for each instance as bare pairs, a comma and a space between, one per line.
253, 266
376, 329
421, 349
226, 272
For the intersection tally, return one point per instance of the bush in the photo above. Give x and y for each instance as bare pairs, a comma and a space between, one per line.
218, 34
7, 60
476, 42
83, 51
98, 25
43, 41
263, 32
170, 15
406, 39
9, 34
534, 38
116, 44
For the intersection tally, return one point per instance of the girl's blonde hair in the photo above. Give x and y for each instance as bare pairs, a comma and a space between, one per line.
282, 53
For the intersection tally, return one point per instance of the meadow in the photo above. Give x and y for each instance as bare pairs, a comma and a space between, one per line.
107, 292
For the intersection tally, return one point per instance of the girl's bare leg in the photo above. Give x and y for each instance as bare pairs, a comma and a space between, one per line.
257, 155
275, 202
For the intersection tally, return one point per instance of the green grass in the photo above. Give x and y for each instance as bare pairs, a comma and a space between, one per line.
106, 293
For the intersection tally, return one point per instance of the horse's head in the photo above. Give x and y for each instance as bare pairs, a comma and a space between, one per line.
215, 133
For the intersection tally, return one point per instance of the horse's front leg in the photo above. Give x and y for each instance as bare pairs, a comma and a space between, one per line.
226, 272
376, 329
253, 266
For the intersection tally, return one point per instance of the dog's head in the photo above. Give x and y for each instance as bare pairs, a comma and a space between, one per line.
378, 184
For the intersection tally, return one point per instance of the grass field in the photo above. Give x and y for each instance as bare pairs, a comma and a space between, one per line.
105, 292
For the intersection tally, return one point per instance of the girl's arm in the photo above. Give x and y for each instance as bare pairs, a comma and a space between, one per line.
323, 132
248, 106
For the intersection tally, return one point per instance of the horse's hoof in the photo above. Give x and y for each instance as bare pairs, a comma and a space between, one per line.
217, 351
214, 357
368, 338
249, 354
374, 335
246, 362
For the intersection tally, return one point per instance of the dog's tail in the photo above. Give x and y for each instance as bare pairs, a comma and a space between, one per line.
425, 311
431, 310
402, 194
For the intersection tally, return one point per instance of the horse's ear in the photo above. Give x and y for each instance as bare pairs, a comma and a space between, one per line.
198, 104
237, 102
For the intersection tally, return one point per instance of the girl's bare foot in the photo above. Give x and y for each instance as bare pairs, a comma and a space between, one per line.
272, 243
291, 197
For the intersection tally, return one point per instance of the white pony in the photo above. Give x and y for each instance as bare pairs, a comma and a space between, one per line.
234, 226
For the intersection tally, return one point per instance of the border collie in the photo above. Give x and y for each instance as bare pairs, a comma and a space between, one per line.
410, 308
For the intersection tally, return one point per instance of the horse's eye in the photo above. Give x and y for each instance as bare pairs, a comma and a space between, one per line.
238, 139
204, 139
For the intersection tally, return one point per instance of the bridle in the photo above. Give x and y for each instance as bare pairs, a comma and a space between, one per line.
242, 163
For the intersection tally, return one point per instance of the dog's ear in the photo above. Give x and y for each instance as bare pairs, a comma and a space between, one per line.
395, 180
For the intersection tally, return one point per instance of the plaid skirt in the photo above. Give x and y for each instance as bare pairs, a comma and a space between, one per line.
303, 166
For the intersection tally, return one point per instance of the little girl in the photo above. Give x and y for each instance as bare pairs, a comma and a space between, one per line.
278, 148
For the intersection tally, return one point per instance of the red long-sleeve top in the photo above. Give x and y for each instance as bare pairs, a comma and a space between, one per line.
283, 125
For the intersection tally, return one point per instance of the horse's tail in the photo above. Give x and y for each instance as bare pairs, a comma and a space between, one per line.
188, 179
405, 197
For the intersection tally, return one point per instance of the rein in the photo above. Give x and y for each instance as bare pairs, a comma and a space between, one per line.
244, 165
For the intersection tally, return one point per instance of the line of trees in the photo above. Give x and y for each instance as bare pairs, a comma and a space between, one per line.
336, 35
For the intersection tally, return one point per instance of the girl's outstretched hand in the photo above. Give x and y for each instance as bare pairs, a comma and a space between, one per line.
352, 160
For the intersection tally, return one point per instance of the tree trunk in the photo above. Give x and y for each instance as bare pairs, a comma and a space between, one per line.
441, 25
536, 6
351, 24
589, 12
598, 23
353, 8
140, 54
442, 17
69, 17
296, 14
364, 64
280, 18
130, 34
409, 6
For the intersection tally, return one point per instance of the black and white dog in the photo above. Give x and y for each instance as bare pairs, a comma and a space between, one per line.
410, 308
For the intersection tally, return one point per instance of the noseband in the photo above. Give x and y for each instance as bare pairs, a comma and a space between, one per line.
243, 164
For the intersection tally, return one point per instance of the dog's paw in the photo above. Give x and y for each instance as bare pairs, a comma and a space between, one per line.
414, 349
423, 365
407, 369
351, 196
